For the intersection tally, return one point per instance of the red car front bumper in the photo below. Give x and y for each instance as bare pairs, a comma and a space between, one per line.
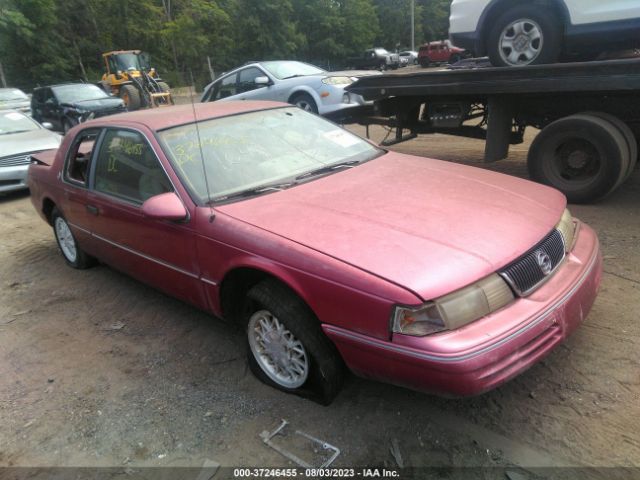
490, 351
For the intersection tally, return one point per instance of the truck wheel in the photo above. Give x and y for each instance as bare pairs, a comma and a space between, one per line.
454, 59
630, 138
131, 97
582, 156
164, 86
305, 102
287, 348
424, 62
71, 252
525, 35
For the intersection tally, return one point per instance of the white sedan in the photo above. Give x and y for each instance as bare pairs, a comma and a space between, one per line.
527, 33
298, 83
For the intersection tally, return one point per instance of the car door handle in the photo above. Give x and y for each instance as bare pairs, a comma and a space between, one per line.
93, 210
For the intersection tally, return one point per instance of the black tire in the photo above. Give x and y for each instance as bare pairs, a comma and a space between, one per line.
305, 102
581, 155
424, 62
81, 260
131, 97
629, 136
164, 87
325, 367
454, 59
549, 45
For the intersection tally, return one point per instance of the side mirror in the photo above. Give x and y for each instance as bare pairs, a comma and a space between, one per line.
263, 81
47, 125
166, 206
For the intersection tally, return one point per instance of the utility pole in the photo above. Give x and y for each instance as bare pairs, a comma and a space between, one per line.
413, 25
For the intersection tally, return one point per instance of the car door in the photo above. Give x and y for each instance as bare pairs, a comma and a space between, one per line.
74, 203
128, 170
50, 109
596, 11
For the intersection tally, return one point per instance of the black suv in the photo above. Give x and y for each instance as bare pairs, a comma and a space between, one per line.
68, 104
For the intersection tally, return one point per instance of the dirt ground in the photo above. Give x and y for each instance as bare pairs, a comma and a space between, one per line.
97, 369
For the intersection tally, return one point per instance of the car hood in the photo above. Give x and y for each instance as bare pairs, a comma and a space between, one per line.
27, 142
427, 225
15, 104
353, 73
97, 105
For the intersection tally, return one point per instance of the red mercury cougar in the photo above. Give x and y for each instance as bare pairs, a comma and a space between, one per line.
330, 251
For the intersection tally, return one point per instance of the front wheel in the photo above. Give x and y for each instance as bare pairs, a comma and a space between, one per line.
525, 35
131, 97
71, 252
287, 348
305, 102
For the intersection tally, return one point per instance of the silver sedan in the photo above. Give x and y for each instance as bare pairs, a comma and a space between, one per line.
298, 83
20, 137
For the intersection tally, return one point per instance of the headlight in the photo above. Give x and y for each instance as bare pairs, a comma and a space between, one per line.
454, 310
337, 81
567, 228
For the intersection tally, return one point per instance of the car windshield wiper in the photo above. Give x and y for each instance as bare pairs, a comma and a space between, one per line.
328, 169
250, 192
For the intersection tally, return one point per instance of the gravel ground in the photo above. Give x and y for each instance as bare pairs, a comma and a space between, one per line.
97, 369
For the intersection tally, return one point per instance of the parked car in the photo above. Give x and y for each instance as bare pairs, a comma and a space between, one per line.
298, 83
20, 138
68, 104
440, 52
527, 33
376, 58
409, 57
15, 99
327, 249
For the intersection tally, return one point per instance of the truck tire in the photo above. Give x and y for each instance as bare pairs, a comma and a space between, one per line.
583, 156
630, 138
131, 97
287, 348
525, 35
455, 58
424, 62
164, 86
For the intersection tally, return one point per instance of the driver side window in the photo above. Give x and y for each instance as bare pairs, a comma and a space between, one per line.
128, 168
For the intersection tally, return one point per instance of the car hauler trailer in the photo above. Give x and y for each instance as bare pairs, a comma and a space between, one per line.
588, 114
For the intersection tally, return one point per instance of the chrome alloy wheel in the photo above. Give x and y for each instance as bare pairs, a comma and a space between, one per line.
65, 240
278, 352
304, 105
521, 42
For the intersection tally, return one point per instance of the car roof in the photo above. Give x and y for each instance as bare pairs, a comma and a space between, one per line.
166, 117
63, 85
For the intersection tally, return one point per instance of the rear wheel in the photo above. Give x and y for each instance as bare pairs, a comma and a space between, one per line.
424, 62
630, 138
525, 35
287, 348
131, 97
454, 59
583, 156
71, 252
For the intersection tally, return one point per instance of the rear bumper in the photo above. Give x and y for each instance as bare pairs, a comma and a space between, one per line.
13, 178
490, 351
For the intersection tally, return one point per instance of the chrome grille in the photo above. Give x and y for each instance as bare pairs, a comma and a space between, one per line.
532, 269
15, 161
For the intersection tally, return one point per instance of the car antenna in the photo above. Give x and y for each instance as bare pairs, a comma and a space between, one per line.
204, 169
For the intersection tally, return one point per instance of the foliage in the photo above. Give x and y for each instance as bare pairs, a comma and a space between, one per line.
45, 41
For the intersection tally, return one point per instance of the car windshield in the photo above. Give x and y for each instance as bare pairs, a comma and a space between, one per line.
282, 70
11, 94
79, 92
259, 150
14, 122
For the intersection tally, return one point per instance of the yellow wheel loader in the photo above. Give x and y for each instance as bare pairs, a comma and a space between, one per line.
129, 77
